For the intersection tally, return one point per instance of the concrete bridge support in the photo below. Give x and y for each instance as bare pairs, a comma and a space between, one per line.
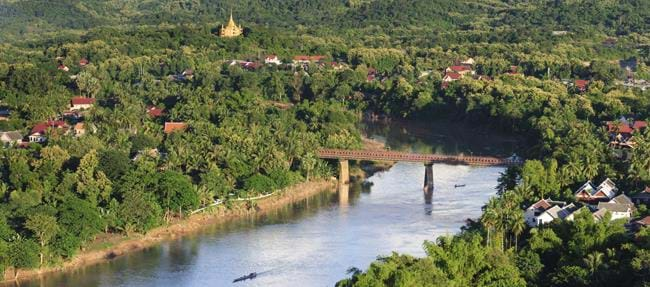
428, 183
344, 182
344, 171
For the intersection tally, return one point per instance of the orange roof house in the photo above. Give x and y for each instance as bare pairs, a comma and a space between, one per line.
581, 85
171, 127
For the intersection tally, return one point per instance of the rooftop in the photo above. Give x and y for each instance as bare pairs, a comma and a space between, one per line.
174, 126
82, 101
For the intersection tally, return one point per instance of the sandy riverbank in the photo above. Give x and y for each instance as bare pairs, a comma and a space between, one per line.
119, 245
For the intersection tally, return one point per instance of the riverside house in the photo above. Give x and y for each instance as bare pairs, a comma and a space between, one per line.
589, 193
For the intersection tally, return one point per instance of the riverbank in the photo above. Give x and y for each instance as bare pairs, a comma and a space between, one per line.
110, 246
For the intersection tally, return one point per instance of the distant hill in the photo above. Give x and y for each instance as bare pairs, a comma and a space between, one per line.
20, 18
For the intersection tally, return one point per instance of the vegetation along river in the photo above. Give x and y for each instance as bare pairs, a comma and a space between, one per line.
314, 242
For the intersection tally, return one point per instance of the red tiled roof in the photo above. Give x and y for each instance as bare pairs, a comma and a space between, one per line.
309, 58
155, 112
174, 126
638, 125
61, 67
459, 68
83, 62
582, 84
41, 128
82, 101
271, 57
644, 221
542, 203
454, 76
613, 127
624, 128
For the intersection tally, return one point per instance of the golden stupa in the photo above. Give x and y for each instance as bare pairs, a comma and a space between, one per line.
231, 29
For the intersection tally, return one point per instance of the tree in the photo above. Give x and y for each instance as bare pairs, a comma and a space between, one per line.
114, 164
176, 192
518, 225
139, 212
44, 227
93, 183
88, 84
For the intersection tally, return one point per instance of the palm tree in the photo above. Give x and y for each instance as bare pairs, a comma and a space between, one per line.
593, 261
518, 225
489, 220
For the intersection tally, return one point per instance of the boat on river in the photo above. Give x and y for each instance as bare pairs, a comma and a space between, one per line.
459, 185
250, 276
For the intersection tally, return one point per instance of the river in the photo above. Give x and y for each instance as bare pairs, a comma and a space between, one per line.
314, 242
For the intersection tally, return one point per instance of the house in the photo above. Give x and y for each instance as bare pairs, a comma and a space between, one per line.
623, 199
171, 127
643, 222
79, 129
188, 74
581, 85
4, 114
545, 211
577, 210
39, 131
469, 62
62, 67
620, 132
460, 69
618, 210
450, 77
535, 210
272, 59
11, 138
251, 66
591, 194
83, 62
642, 197
81, 103
155, 112
302, 59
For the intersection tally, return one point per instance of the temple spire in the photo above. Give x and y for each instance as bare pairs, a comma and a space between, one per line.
231, 29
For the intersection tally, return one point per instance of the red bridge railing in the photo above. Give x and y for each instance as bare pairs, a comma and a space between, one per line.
376, 155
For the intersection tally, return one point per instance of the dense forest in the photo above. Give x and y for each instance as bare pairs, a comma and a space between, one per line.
250, 127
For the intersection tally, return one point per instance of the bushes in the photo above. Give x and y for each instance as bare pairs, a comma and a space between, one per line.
260, 184
139, 212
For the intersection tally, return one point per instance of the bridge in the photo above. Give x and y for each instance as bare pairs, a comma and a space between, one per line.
428, 160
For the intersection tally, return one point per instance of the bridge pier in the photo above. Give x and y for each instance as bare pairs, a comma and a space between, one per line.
344, 171
428, 183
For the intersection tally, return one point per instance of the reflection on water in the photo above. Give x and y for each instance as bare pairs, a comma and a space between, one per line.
311, 243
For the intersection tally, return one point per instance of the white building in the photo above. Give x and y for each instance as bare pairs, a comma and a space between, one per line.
11, 138
603, 192
272, 59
